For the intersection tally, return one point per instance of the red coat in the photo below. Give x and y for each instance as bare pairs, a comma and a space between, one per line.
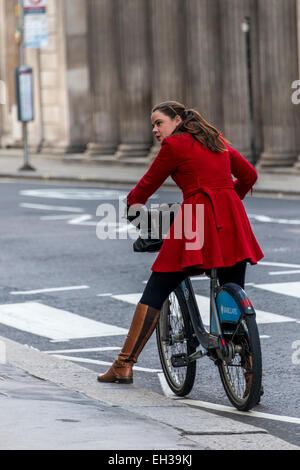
204, 178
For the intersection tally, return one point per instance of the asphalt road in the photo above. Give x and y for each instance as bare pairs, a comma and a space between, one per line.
65, 291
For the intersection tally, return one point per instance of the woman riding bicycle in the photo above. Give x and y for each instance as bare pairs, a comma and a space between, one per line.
201, 162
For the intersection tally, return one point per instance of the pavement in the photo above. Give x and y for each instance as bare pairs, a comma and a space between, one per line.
48, 403
276, 182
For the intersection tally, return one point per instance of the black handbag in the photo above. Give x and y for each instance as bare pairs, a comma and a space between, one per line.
147, 245
158, 224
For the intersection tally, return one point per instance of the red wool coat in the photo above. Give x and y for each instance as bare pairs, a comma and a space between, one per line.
204, 178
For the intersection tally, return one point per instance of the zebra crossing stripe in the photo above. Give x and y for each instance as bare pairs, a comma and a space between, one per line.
61, 325
54, 323
203, 304
284, 288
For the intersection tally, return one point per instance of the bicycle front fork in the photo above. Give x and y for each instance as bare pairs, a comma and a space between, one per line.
214, 313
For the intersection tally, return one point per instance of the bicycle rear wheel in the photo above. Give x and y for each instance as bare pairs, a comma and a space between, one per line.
241, 371
173, 334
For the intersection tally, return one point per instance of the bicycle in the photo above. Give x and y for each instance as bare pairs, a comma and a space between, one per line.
232, 341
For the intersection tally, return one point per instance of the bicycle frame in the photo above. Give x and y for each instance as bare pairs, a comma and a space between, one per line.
206, 339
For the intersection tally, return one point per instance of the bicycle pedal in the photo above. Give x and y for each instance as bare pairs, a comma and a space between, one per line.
180, 360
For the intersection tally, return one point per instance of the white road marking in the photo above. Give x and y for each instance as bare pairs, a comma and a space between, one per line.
203, 304
102, 363
272, 220
276, 273
129, 298
284, 288
228, 409
124, 227
261, 316
53, 323
74, 193
251, 413
165, 387
56, 217
280, 265
52, 289
104, 348
118, 226
84, 219
196, 278
45, 207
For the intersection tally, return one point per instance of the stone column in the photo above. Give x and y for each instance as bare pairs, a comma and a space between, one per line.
297, 165
279, 67
136, 75
54, 102
205, 59
77, 73
3, 89
168, 45
104, 77
11, 129
236, 91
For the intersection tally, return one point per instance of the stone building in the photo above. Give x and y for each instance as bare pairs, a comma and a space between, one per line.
109, 61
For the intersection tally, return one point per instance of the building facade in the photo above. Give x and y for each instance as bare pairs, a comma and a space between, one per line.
109, 61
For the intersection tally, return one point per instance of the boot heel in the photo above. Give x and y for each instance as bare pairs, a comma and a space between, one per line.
122, 380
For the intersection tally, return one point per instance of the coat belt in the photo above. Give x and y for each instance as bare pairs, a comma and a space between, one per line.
209, 193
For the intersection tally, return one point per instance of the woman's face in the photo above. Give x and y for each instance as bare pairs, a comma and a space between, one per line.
163, 125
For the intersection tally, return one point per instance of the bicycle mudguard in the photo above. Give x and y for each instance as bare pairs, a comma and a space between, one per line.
231, 302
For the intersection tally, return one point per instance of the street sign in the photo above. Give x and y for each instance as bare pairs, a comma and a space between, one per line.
24, 89
35, 24
34, 4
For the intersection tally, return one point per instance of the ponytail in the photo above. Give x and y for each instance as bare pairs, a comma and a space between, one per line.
195, 124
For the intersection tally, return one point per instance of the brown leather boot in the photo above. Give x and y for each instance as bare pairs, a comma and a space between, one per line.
142, 326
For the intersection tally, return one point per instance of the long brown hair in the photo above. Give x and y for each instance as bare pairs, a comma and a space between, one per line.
195, 124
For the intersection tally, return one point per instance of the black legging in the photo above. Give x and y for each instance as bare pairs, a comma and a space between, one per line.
160, 285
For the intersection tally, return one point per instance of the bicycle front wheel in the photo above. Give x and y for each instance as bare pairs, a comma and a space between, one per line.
173, 334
